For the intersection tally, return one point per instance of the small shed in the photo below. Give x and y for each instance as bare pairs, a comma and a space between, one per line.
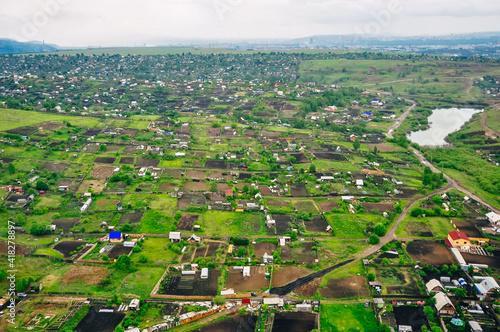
115, 237
134, 304
246, 271
204, 273
174, 236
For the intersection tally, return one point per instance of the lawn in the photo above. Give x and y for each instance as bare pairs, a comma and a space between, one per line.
156, 251
331, 252
233, 223
345, 226
16, 118
136, 201
163, 202
170, 163
155, 222
337, 317
48, 252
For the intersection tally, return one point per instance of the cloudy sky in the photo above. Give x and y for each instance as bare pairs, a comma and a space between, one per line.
135, 22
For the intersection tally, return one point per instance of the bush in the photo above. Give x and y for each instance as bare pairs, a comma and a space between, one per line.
374, 239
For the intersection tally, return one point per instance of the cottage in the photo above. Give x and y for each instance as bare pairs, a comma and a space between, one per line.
270, 222
115, 237
193, 239
443, 305
458, 239
246, 271
434, 286
174, 236
267, 258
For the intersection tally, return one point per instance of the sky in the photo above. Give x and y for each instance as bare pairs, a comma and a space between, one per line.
161, 22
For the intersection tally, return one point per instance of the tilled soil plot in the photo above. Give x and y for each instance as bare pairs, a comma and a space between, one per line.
282, 223
256, 281
186, 222
102, 172
131, 218
188, 200
20, 248
168, 186
191, 285
410, 316
292, 322
329, 156
104, 160
317, 224
23, 131
99, 321
191, 174
119, 250
278, 203
262, 247
430, 252
65, 247
298, 190
90, 275
212, 248
240, 323
65, 224
380, 207
147, 162
300, 158
215, 164
345, 288
127, 160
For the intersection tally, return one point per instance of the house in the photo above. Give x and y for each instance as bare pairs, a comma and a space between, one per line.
378, 302
331, 108
63, 188
329, 229
486, 286
366, 114
246, 271
459, 239
493, 218
193, 239
355, 103
174, 236
270, 222
267, 258
229, 192
443, 305
434, 286
204, 273
115, 237
353, 137
134, 304
359, 183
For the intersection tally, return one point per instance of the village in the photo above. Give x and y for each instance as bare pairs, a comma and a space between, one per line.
199, 199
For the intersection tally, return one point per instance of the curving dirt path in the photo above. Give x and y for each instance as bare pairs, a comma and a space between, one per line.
486, 128
400, 120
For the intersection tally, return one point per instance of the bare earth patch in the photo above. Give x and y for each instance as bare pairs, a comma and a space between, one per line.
91, 275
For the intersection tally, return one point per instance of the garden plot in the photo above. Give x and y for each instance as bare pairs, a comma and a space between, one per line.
23, 131
260, 248
130, 150
300, 158
468, 228
195, 186
317, 224
215, 164
141, 162
212, 248
222, 187
101, 172
131, 218
380, 207
119, 250
90, 275
97, 185
298, 190
190, 285
104, 160
411, 316
175, 173
187, 257
493, 262
305, 253
291, 322
91, 148
99, 321
66, 247
21, 249
195, 174
186, 222
200, 252
429, 252
419, 229
282, 224
305, 206
190, 200
239, 323
127, 160
92, 132
329, 156
278, 203
168, 186
328, 206
353, 287
256, 281
286, 275
55, 167
66, 224
397, 281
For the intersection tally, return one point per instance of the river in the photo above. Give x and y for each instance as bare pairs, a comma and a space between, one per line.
442, 122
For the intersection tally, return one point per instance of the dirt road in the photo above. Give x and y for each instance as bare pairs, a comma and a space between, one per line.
486, 128
401, 119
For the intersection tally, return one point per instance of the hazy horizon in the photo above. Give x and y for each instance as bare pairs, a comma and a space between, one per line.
124, 23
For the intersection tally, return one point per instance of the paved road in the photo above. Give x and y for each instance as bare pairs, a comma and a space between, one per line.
401, 119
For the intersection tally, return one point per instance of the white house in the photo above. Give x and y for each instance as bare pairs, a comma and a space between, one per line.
434, 286
493, 217
359, 182
443, 305
486, 286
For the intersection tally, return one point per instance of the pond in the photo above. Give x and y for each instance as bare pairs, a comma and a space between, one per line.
442, 122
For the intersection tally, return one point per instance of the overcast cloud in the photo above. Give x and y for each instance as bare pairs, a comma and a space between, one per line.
129, 23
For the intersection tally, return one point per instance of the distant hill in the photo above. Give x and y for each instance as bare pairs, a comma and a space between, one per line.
11, 46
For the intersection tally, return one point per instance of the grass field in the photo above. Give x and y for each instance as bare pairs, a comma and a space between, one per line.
233, 223
11, 119
52, 201
337, 317
48, 252
345, 226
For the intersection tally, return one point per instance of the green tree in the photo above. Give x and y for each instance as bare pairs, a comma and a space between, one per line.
219, 299
123, 262
103, 147
105, 258
41, 185
374, 239
245, 188
119, 329
371, 276
375, 150
11, 168
39, 229
384, 328
242, 251
143, 259
379, 229
356, 145
312, 168
459, 293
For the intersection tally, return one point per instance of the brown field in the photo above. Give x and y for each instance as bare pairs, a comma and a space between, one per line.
380, 207
430, 252
286, 275
262, 247
130, 150
175, 173
186, 222
66, 224
102, 172
131, 218
190, 199
97, 185
104, 160
20, 248
222, 187
146, 162
328, 206
195, 174
91, 275
168, 186
255, 282
419, 229
127, 160
278, 203
195, 186
345, 288
317, 224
